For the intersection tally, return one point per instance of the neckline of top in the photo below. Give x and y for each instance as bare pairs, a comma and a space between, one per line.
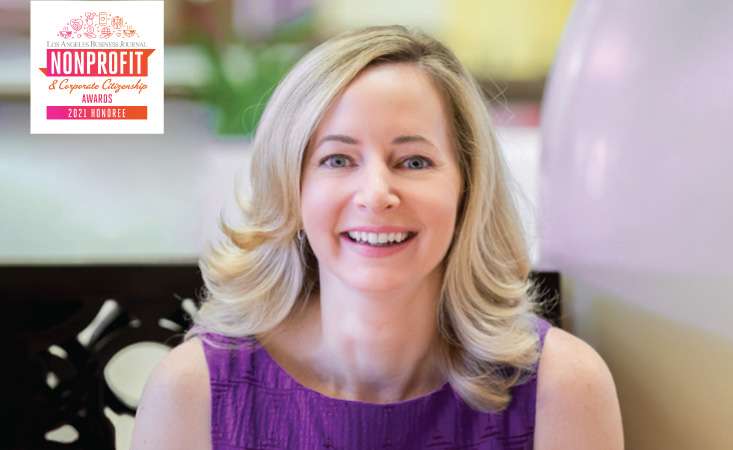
284, 373
542, 326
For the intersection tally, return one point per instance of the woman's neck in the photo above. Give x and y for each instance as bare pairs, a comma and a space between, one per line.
373, 347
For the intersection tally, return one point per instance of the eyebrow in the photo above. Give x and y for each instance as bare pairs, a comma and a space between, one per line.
404, 139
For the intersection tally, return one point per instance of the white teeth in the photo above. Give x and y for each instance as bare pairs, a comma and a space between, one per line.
377, 238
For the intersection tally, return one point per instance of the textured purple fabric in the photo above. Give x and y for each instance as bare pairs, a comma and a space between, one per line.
257, 405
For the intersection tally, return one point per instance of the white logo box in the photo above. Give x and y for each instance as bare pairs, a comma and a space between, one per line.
97, 67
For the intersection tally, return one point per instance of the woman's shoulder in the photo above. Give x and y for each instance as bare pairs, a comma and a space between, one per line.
174, 411
187, 360
577, 403
184, 367
565, 356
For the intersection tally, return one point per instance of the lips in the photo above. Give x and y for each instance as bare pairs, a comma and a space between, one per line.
376, 251
410, 235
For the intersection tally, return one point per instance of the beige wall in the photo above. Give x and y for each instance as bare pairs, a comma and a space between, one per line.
668, 341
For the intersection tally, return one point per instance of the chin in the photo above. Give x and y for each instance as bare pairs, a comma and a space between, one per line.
373, 282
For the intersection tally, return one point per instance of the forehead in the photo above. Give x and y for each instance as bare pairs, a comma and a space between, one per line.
387, 100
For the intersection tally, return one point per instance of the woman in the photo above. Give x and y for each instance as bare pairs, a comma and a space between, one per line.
377, 294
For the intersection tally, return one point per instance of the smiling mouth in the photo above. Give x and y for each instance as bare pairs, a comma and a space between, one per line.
410, 236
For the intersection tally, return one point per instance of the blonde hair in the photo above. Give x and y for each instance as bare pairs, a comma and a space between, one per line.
261, 273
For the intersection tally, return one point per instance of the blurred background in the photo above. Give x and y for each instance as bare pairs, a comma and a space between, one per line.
613, 118
155, 197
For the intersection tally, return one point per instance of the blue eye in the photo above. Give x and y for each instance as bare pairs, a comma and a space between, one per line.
339, 161
417, 163
336, 161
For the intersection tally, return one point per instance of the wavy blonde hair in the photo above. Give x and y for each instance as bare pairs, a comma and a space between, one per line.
261, 273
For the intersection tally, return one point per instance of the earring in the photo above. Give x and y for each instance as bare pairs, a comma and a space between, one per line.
303, 248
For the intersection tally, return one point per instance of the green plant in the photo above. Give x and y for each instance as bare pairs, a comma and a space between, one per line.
243, 74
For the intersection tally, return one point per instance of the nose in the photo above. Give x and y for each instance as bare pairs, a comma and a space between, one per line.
375, 191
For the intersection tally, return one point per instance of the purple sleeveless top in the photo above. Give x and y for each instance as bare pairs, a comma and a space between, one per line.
257, 405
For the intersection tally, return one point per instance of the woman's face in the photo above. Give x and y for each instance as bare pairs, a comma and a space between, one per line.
381, 166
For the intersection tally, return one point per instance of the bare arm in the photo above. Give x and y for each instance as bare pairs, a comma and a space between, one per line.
174, 412
577, 404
